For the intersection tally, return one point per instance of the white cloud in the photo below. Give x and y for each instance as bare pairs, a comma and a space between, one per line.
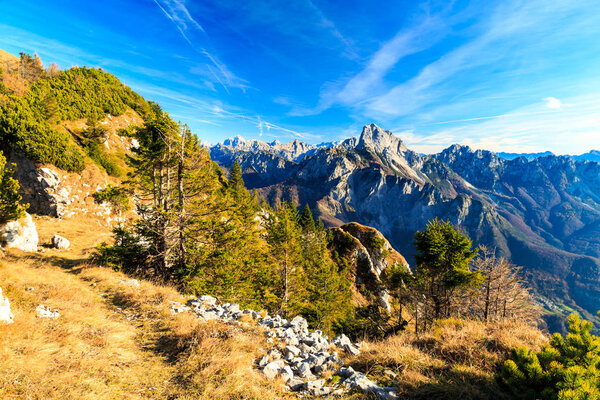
553, 103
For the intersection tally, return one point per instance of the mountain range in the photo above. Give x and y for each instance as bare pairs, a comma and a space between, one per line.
541, 213
592, 155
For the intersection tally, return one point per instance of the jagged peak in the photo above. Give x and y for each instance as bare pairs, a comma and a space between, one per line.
235, 141
457, 148
374, 137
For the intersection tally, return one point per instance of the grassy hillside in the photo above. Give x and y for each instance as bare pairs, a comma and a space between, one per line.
35, 100
115, 341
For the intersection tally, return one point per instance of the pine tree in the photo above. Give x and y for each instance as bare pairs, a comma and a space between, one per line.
326, 295
306, 220
10, 200
236, 181
442, 267
283, 237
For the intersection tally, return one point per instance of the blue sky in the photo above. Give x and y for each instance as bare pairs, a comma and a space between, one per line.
506, 76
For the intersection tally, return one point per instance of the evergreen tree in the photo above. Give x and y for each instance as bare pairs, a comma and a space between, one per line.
306, 220
326, 298
283, 237
233, 263
10, 206
442, 267
236, 182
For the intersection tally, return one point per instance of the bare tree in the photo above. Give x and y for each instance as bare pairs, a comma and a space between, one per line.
503, 293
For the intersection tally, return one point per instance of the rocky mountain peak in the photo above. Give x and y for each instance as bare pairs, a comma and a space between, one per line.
235, 142
375, 138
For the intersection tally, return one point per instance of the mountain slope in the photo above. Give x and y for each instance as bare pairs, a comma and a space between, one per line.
542, 214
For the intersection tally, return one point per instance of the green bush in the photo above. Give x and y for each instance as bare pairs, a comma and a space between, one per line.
103, 159
10, 207
117, 197
31, 136
127, 254
565, 369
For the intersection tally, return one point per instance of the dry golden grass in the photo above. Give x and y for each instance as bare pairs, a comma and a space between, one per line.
114, 341
456, 358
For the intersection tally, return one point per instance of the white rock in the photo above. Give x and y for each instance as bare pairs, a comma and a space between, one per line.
59, 242
6, 317
207, 300
20, 234
44, 312
286, 373
350, 348
271, 370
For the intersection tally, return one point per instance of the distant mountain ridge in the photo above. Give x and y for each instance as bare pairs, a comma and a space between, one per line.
592, 155
543, 214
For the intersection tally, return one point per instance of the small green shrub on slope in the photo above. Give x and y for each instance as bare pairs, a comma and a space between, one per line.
565, 369
10, 207
32, 136
116, 196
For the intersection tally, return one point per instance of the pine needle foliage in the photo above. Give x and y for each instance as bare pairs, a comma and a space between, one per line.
567, 368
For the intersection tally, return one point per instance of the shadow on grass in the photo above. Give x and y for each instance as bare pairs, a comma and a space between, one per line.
440, 383
41, 259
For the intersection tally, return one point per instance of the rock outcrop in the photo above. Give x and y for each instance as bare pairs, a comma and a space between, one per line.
20, 234
369, 254
40, 187
6, 316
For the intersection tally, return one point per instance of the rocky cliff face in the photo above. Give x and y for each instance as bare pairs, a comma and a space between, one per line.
369, 254
543, 214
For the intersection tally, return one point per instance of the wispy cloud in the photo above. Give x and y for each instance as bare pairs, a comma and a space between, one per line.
177, 12
358, 89
506, 35
569, 130
553, 103
330, 26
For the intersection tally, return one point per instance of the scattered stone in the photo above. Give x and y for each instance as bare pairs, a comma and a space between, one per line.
177, 308
298, 356
207, 300
59, 242
286, 373
45, 312
6, 317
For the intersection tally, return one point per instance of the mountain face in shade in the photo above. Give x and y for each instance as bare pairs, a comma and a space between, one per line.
542, 214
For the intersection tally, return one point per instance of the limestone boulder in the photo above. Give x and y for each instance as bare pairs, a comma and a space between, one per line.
20, 234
